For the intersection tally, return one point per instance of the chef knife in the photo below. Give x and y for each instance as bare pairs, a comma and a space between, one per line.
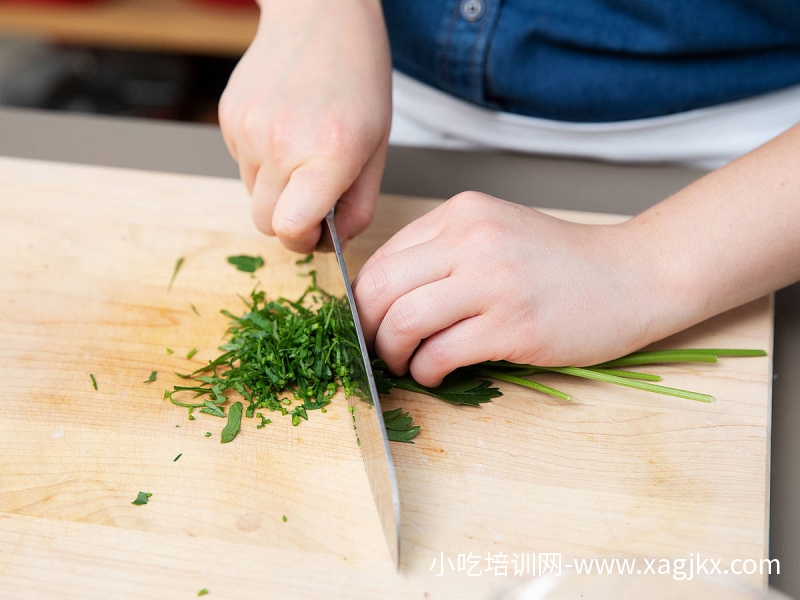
368, 422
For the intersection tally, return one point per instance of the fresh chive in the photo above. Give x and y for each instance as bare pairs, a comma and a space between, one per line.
177, 457
192, 352
178, 264
627, 374
94, 381
638, 385
534, 385
659, 356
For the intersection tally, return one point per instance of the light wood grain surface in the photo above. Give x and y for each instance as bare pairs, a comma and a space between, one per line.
156, 25
85, 258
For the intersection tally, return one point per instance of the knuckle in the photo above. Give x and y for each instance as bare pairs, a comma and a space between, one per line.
403, 319
336, 140
468, 202
225, 111
373, 285
252, 126
435, 359
289, 229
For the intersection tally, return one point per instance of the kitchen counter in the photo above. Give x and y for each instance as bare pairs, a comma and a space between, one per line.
555, 183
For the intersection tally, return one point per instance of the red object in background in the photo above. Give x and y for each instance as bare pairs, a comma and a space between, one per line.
52, 1
228, 2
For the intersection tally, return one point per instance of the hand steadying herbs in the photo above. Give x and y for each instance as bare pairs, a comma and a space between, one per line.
281, 350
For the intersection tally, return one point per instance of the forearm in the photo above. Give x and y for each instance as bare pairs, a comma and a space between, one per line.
728, 238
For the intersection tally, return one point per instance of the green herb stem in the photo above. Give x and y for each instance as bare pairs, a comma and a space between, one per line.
534, 385
638, 385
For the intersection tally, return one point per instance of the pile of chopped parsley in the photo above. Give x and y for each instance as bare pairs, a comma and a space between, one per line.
283, 356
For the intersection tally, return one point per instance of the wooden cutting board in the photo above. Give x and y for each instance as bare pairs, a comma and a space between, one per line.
85, 258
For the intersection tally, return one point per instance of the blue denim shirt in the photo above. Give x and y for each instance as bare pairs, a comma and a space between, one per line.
597, 60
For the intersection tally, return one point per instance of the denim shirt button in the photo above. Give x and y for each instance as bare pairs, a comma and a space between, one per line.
472, 10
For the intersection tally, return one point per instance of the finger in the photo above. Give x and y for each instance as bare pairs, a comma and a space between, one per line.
378, 287
266, 190
465, 343
248, 172
312, 190
356, 207
419, 231
420, 314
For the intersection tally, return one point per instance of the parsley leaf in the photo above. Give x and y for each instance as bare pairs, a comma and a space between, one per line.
234, 423
141, 498
245, 263
398, 426
463, 386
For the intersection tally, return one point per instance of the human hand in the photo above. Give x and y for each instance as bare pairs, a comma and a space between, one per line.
307, 113
481, 279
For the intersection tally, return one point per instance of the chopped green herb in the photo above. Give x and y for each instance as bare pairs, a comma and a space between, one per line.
169, 350
152, 377
202, 592
323, 410
234, 423
177, 457
94, 381
248, 264
141, 498
284, 519
212, 409
178, 264
194, 308
264, 421
305, 260
192, 352
399, 427
208, 434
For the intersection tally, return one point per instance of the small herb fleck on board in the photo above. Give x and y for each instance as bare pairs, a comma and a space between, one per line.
248, 264
203, 592
141, 498
152, 377
178, 265
94, 381
191, 353
177, 457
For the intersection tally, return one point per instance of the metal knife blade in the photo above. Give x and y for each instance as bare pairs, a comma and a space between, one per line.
368, 418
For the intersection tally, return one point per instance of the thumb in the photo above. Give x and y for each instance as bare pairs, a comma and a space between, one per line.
312, 190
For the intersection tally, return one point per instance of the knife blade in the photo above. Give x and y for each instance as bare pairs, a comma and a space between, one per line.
367, 415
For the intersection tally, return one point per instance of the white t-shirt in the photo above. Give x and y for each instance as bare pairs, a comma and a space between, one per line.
706, 137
